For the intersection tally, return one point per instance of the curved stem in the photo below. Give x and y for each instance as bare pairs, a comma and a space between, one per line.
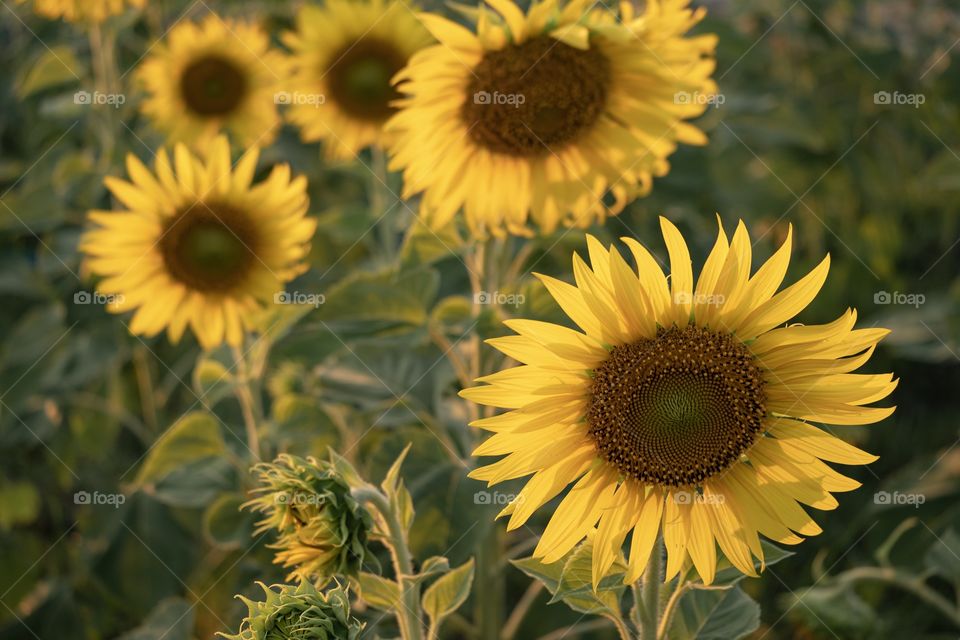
247, 404
907, 583
670, 608
520, 611
622, 627
410, 615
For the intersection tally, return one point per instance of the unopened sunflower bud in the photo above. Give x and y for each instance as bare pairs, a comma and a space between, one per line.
322, 530
298, 613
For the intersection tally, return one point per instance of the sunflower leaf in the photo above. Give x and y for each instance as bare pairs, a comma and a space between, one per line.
379, 592
194, 437
728, 575
703, 614
576, 577
449, 592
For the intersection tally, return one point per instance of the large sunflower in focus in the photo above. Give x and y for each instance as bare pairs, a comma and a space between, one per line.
83, 10
560, 116
681, 408
345, 55
198, 244
211, 77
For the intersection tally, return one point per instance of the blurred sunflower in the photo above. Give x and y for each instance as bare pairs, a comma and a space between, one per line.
211, 77
83, 10
680, 409
344, 57
198, 243
548, 115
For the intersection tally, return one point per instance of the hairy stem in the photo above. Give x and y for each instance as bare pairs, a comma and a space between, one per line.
248, 405
410, 614
650, 593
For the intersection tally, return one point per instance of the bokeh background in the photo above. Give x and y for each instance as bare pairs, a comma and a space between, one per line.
838, 117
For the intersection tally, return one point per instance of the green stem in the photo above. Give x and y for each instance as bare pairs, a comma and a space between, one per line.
379, 195
410, 614
650, 593
248, 405
907, 583
670, 608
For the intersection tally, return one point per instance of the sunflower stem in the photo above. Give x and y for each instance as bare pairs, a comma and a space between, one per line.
380, 192
649, 606
247, 404
409, 614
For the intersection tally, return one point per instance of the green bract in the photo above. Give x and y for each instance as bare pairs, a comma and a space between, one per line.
298, 613
322, 530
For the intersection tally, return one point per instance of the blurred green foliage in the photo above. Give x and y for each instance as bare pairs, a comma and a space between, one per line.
88, 412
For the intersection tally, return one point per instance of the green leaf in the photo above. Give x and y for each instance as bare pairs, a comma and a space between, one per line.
423, 245
379, 592
579, 594
452, 311
577, 574
548, 574
225, 525
19, 504
171, 619
194, 437
833, 610
345, 469
387, 296
432, 566
728, 575
726, 614
55, 66
944, 556
390, 481
212, 380
449, 592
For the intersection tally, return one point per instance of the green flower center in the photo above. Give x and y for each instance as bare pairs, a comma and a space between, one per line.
359, 78
209, 247
534, 98
213, 86
677, 409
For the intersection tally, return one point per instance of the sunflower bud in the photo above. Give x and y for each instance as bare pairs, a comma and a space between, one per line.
322, 529
298, 613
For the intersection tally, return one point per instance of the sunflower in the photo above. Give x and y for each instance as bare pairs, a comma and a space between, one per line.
560, 115
212, 76
344, 57
198, 243
83, 10
681, 409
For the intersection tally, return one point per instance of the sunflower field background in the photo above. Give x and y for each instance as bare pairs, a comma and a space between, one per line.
126, 458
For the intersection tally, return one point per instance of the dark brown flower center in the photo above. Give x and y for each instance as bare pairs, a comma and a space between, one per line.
533, 98
359, 78
679, 408
209, 247
213, 86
